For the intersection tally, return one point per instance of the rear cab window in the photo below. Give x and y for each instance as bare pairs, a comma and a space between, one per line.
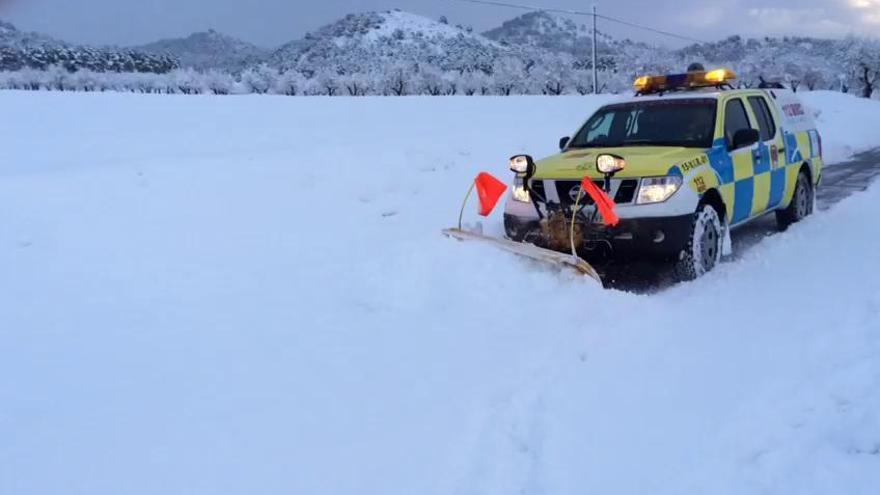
762, 113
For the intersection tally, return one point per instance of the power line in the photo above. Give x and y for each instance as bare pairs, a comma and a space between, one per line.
525, 7
646, 28
582, 13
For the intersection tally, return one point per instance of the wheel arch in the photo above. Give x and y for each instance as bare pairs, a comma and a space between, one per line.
808, 168
713, 198
805, 167
788, 214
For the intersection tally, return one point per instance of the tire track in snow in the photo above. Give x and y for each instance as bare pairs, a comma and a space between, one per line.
506, 448
506, 452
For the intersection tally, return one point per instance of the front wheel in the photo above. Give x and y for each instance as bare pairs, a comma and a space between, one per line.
801, 204
703, 250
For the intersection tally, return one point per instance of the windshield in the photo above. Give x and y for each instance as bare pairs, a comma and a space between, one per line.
687, 123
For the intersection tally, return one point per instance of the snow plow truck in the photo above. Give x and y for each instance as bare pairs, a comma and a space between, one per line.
663, 175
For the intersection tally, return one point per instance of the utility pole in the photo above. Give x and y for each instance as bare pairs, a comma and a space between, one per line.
595, 47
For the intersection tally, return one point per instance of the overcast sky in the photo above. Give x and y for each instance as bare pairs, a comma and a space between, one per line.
272, 22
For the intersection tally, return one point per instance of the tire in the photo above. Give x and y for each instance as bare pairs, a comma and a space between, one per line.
703, 250
801, 204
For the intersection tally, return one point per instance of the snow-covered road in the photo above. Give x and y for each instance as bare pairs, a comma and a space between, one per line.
251, 295
849, 177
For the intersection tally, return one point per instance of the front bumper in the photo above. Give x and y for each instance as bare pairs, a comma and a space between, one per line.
652, 238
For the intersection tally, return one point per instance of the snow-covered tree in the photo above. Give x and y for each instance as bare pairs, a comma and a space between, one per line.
188, 81
357, 84
218, 82
475, 82
510, 76
259, 79
552, 75
397, 80
429, 80
325, 82
290, 83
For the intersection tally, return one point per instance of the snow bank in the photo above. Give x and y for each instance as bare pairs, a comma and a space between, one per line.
848, 125
251, 295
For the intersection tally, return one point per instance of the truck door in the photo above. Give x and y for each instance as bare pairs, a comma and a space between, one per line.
769, 165
735, 118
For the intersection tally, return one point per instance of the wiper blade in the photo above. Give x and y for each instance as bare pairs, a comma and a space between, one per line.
649, 142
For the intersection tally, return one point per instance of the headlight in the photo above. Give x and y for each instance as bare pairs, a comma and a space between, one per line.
519, 191
610, 164
658, 189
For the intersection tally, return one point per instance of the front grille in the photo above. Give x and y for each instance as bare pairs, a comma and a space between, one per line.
567, 191
623, 191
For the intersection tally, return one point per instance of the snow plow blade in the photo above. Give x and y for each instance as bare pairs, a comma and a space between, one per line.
556, 258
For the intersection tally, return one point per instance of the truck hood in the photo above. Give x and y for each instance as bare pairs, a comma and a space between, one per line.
641, 161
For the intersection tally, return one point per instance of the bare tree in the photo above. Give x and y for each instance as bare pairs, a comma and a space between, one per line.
396, 81
356, 88
863, 58
813, 79
868, 76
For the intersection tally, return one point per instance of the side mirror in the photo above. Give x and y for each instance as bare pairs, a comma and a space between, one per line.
564, 142
745, 137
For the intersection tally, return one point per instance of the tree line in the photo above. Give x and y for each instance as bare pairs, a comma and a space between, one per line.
857, 71
73, 59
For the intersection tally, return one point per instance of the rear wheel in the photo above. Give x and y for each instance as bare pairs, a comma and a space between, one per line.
801, 204
703, 250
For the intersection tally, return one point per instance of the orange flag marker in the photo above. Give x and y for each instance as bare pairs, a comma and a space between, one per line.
603, 202
489, 190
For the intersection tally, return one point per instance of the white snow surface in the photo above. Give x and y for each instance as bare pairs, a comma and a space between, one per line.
251, 295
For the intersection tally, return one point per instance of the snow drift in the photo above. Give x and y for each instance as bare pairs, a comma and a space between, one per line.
251, 295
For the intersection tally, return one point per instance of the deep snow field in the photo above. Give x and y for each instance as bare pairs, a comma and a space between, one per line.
250, 295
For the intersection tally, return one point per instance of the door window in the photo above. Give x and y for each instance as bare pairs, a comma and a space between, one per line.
735, 118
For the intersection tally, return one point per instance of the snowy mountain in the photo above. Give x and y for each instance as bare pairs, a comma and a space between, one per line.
370, 41
544, 31
287, 55
209, 50
396, 53
12, 38
537, 33
809, 62
814, 63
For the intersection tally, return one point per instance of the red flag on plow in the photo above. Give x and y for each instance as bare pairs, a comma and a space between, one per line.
489, 190
603, 202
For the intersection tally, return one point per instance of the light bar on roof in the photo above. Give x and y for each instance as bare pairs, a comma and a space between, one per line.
690, 80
